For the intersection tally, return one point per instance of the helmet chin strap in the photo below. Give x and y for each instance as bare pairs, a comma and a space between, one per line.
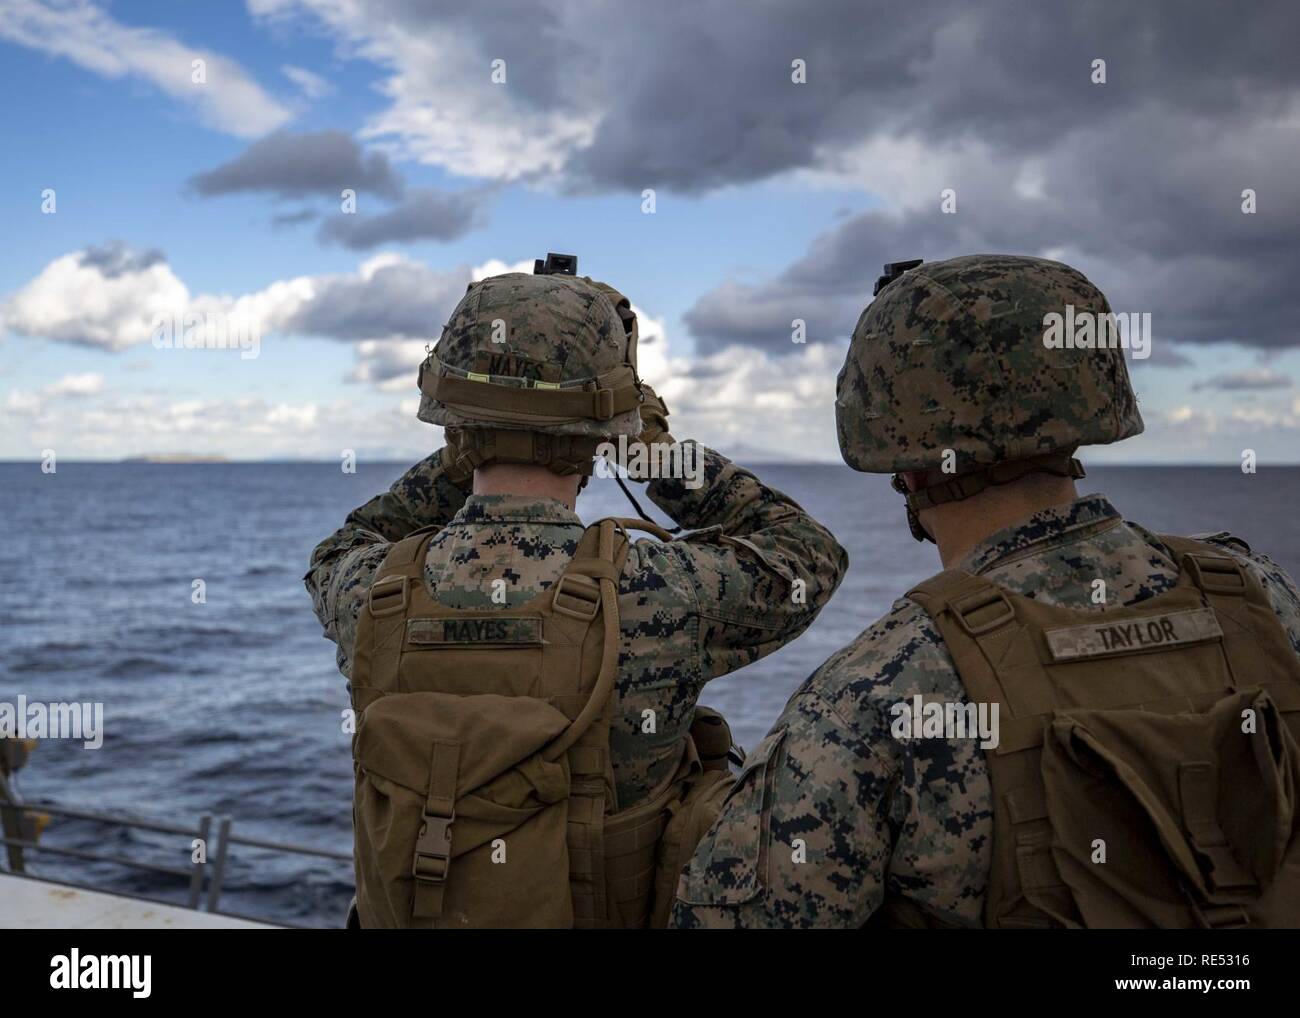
1061, 463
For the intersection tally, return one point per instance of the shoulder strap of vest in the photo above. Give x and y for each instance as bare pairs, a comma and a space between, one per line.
1231, 591
588, 592
978, 626
402, 566
588, 588
975, 620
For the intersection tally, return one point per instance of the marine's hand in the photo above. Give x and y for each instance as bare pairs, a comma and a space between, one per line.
654, 418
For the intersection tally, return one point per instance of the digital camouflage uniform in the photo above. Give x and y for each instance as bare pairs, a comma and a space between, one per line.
883, 817
835, 819
690, 610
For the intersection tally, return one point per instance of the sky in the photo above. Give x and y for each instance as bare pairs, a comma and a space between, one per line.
169, 159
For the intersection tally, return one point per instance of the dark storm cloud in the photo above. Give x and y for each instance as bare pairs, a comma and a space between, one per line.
691, 96
1149, 209
116, 259
402, 299
295, 165
1137, 181
424, 214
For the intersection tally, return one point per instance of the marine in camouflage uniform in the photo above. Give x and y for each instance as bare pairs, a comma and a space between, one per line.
751, 577
835, 821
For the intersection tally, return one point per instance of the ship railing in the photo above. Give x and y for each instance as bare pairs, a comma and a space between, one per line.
19, 818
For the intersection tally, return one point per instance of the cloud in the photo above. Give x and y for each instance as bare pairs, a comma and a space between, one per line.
424, 214
78, 30
1191, 421
1138, 181
1159, 232
1249, 380
444, 109
389, 364
112, 298
312, 85
86, 384
720, 400
294, 165
115, 259
389, 297
104, 297
125, 423
724, 109
295, 218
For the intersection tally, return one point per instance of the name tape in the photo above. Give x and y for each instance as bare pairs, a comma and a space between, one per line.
471, 631
1123, 636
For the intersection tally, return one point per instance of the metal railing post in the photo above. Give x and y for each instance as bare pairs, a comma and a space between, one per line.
196, 877
219, 867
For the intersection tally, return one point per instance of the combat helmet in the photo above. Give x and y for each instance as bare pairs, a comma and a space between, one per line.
534, 369
950, 368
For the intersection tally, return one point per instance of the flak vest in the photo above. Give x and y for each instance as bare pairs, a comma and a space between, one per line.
1147, 771
484, 792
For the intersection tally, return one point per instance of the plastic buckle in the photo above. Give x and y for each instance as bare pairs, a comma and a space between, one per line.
433, 848
386, 588
603, 404
577, 596
965, 607
1216, 574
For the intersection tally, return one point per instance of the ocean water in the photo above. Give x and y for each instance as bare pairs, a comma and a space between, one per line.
232, 707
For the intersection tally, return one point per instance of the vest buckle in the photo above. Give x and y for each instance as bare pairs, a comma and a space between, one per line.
577, 596
382, 594
966, 608
1215, 574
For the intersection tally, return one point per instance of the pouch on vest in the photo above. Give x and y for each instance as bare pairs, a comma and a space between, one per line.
1147, 770
1175, 820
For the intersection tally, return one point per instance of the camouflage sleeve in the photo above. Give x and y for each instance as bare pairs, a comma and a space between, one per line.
344, 563
760, 566
839, 811
804, 838
1277, 585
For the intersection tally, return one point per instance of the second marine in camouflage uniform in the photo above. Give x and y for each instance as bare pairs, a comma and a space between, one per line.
838, 818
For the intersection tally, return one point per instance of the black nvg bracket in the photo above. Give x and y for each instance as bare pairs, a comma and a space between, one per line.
556, 265
892, 271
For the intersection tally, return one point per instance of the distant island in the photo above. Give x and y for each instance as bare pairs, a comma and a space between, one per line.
174, 457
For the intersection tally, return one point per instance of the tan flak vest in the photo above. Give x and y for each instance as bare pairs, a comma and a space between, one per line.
484, 790
1147, 771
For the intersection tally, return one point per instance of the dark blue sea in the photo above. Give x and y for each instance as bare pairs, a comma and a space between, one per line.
232, 707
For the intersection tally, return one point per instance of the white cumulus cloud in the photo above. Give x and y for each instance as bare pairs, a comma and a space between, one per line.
229, 99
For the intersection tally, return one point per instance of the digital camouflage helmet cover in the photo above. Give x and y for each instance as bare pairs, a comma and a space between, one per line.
534, 369
948, 369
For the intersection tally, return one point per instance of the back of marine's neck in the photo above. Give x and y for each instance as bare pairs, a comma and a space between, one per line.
958, 527
525, 482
